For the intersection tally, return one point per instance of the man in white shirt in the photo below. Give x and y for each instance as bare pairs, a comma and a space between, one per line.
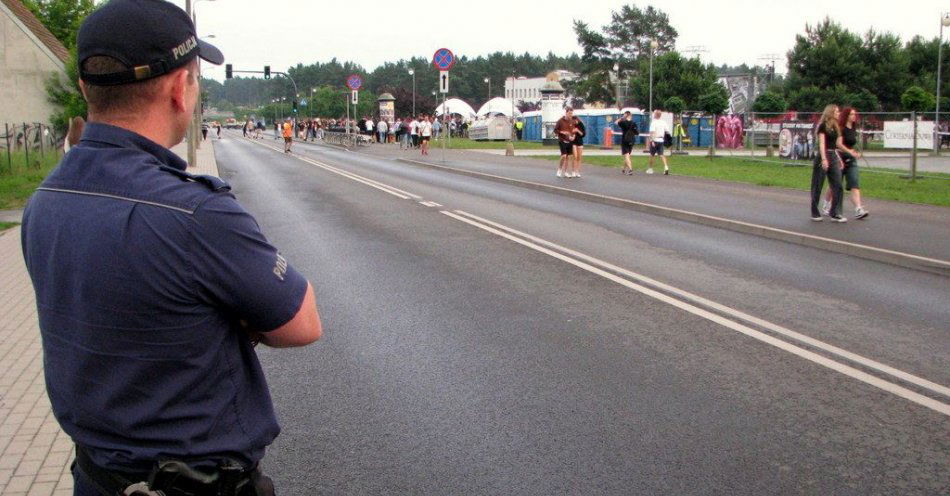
658, 129
369, 128
425, 132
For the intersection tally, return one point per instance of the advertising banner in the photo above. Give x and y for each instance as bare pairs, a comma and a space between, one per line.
796, 140
900, 134
387, 111
730, 131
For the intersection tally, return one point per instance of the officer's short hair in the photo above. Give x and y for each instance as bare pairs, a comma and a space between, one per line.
122, 97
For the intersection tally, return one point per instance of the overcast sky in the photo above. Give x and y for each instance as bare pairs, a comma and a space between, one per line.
252, 33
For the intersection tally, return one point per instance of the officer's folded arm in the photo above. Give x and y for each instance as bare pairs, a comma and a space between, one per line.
304, 328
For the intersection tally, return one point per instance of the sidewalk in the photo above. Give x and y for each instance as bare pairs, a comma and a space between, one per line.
920, 230
883, 160
35, 454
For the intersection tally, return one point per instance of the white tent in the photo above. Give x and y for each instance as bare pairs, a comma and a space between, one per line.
456, 106
499, 105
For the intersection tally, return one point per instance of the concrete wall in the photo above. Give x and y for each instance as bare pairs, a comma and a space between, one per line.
25, 65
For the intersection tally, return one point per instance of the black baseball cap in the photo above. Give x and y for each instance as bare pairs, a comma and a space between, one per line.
151, 37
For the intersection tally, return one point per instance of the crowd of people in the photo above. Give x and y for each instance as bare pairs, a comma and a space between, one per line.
408, 132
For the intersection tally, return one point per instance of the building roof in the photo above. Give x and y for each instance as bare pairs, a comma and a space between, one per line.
37, 28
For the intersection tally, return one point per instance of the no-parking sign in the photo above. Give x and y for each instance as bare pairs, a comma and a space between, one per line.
354, 82
443, 59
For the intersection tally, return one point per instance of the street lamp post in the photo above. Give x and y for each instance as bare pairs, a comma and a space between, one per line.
653, 45
488, 80
310, 104
944, 21
412, 73
193, 142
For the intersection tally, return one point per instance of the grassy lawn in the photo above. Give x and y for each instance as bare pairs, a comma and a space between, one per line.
467, 144
17, 185
7, 225
887, 186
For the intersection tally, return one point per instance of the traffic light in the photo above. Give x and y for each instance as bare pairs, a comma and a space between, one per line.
266, 72
295, 106
227, 71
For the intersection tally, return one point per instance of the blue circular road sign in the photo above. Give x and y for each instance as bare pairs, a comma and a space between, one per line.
443, 59
354, 82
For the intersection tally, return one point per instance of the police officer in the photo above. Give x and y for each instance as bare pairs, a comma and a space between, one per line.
153, 285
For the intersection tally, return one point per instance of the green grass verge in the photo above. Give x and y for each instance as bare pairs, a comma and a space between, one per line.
18, 184
7, 225
874, 184
467, 144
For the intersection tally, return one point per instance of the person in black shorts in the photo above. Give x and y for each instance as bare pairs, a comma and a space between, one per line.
565, 131
578, 145
628, 136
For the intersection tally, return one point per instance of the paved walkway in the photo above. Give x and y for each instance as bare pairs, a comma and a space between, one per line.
35, 454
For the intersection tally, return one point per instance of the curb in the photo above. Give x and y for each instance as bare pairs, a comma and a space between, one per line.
907, 260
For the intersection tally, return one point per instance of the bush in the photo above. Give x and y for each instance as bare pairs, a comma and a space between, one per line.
916, 99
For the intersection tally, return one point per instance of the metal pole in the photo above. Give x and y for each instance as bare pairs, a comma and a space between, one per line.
26, 146
937, 110
442, 132
42, 155
913, 155
346, 125
413, 93
9, 157
651, 80
192, 153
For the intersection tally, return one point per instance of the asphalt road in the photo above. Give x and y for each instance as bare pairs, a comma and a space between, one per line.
593, 350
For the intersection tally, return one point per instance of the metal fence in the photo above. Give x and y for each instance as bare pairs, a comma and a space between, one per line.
27, 145
906, 143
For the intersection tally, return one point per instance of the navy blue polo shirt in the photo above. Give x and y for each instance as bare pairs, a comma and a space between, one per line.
143, 278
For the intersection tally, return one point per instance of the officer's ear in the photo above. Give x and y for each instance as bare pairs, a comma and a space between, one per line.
179, 85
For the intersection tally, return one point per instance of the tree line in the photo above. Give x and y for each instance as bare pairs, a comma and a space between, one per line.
876, 71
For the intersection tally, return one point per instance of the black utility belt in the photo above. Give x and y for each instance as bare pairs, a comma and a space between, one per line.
176, 478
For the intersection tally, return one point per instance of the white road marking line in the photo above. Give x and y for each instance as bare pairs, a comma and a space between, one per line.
430, 204
765, 338
867, 362
369, 182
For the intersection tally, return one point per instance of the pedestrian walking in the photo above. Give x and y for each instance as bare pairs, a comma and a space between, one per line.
150, 298
628, 137
204, 131
659, 130
565, 132
827, 164
288, 135
383, 130
425, 134
414, 131
581, 131
218, 130
849, 159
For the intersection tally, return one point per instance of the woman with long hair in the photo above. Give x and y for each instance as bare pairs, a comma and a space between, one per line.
827, 164
849, 158
578, 145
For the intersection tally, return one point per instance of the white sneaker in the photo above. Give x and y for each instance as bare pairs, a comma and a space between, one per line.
860, 213
569, 174
650, 170
559, 173
826, 208
577, 174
